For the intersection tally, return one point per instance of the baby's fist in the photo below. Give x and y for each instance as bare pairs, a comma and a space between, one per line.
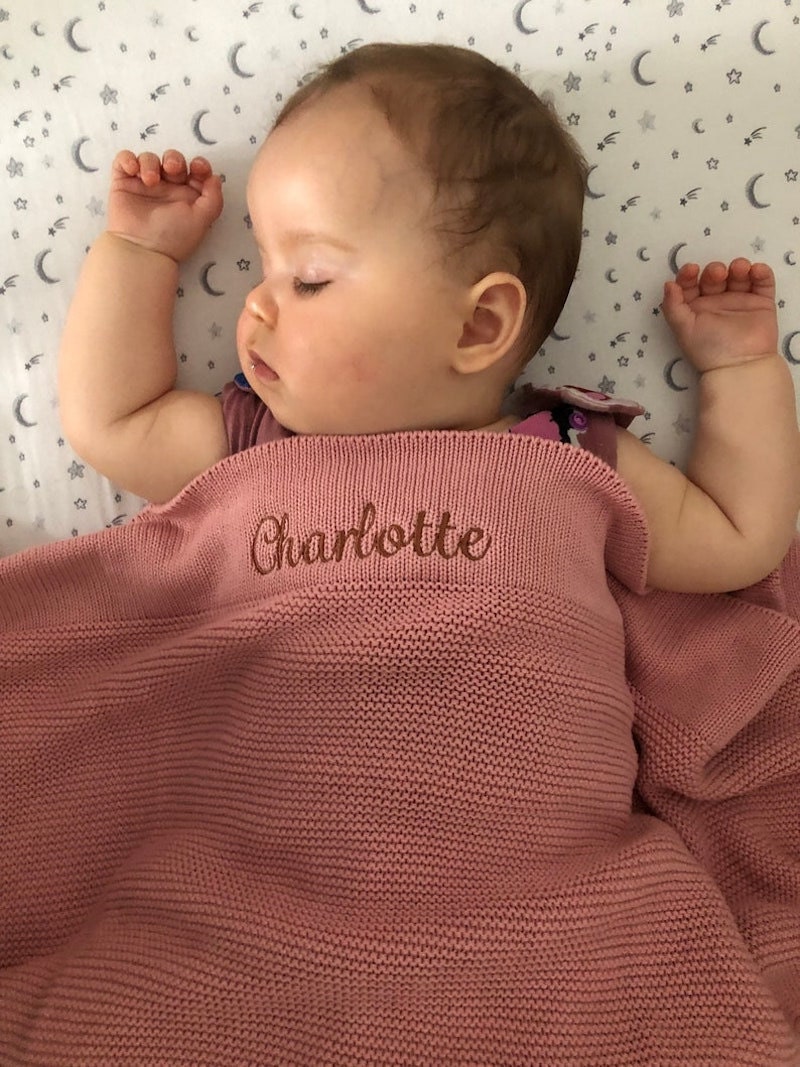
166, 205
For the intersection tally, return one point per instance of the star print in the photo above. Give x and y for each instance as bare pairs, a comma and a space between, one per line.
682, 425
14, 168
75, 470
215, 330
572, 83
607, 385
108, 95
791, 175
80, 504
243, 264
675, 7
734, 77
712, 164
573, 119
21, 205
647, 121
95, 207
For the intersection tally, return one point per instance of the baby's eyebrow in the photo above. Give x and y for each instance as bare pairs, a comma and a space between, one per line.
315, 237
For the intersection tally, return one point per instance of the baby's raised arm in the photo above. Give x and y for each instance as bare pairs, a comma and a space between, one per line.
117, 365
729, 521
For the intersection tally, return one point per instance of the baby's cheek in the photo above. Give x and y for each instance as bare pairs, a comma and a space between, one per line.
361, 367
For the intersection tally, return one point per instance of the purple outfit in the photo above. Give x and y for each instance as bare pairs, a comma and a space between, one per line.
567, 414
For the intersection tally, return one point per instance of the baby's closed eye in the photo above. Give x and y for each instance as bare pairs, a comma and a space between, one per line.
308, 288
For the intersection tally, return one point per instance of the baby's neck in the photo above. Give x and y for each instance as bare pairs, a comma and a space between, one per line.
502, 425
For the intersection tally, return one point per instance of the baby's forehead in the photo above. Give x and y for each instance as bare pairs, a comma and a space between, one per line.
346, 155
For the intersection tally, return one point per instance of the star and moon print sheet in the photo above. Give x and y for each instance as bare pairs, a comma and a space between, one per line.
688, 112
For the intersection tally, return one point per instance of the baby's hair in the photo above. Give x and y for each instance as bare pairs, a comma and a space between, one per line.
509, 179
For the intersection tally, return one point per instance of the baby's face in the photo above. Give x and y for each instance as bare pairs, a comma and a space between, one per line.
354, 319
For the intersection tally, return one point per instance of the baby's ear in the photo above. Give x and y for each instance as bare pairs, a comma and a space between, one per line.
496, 309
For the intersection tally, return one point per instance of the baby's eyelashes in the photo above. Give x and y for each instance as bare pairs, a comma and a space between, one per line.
308, 288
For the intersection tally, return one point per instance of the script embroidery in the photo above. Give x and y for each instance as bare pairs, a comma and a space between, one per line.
275, 545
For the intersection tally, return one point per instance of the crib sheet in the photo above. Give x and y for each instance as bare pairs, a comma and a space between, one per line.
688, 113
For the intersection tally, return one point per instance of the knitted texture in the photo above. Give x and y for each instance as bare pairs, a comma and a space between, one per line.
352, 754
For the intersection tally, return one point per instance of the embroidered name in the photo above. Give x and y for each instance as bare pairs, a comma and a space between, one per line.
275, 545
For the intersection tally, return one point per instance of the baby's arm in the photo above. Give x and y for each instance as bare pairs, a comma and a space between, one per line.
729, 521
117, 366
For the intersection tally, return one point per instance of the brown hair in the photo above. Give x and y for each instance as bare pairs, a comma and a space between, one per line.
509, 179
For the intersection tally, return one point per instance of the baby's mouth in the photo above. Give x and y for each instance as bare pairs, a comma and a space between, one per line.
260, 369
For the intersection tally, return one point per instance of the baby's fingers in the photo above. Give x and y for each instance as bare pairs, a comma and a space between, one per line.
174, 167
762, 280
125, 165
149, 168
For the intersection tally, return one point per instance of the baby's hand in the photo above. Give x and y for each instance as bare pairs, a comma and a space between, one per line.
164, 205
724, 315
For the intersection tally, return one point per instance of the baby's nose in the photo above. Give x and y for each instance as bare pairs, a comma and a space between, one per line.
261, 304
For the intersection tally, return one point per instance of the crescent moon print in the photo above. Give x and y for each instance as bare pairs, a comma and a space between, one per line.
590, 192
697, 127
559, 336
296, 11
669, 377
787, 347
69, 34
611, 275
37, 29
638, 77
196, 128
518, 18
757, 42
76, 155
750, 190
206, 284
17, 409
367, 9
672, 258
191, 33
232, 59
39, 266
641, 254
789, 259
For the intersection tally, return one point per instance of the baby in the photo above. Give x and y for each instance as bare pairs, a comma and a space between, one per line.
418, 214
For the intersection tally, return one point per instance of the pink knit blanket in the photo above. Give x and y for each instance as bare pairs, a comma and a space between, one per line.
373, 751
